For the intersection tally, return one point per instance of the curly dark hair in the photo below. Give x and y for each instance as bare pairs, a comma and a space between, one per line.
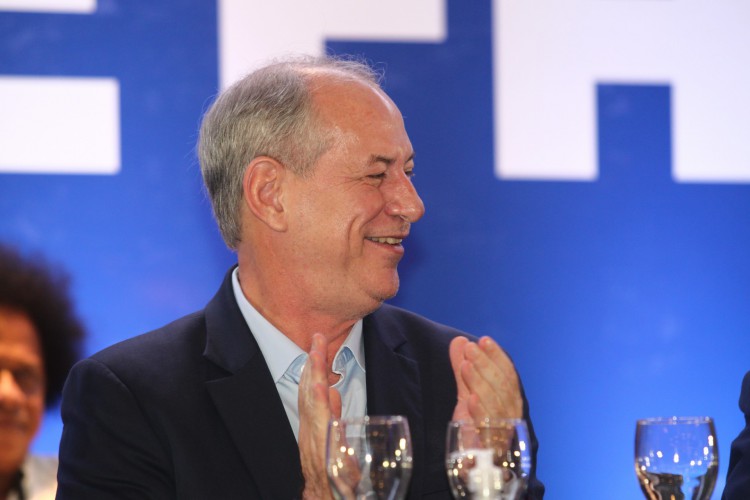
32, 287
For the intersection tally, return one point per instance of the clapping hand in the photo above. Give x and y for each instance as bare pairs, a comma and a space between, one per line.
487, 382
318, 403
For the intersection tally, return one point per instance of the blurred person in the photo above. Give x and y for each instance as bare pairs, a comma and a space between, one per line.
308, 167
738, 475
39, 341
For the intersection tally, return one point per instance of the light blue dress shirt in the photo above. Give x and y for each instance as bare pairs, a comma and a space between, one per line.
285, 360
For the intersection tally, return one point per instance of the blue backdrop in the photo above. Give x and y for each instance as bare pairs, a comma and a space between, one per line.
618, 298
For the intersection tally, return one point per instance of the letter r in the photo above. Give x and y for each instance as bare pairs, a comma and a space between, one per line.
549, 56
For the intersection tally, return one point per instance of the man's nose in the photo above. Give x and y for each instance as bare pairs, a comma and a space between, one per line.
10, 392
403, 200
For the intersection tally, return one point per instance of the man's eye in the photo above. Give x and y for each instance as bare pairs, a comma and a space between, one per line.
410, 173
28, 380
381, 175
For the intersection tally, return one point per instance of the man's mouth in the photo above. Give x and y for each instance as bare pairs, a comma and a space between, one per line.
387, 240
7, 422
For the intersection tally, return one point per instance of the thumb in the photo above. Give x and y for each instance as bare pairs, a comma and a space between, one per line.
456, 353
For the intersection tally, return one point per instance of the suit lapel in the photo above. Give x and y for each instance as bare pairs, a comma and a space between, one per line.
248, 402
251, 409
393, 385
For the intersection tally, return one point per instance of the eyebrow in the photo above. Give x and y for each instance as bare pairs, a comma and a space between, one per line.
388, 161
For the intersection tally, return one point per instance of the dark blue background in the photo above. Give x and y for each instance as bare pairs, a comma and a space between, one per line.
618, 299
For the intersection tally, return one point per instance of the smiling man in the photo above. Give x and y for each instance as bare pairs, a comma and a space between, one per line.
308, 166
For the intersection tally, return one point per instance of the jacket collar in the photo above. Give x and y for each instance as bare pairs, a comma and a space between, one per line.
247, 400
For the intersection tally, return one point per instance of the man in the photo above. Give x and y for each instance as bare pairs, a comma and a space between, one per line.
39, 339
308, 167
738, 474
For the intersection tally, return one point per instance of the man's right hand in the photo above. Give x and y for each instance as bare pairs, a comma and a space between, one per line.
317, 403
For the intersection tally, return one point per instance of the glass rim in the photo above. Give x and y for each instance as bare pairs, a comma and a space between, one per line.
487, 422
674, 420
369, 419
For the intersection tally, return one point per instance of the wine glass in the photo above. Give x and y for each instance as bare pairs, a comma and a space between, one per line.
369, 457
488, 459
676, 458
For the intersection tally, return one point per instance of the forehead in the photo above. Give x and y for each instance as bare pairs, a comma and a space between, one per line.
18, 337
333, 93
359, 112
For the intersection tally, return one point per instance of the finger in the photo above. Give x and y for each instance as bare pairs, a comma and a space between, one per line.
497, 390
457, 356
482, 362
498, 358
314, 413
494, 365
316, 360
313, 387
493, 350
477, 412
318, 350
482, 401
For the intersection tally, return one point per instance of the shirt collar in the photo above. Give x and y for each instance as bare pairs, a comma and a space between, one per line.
278, 350
354, 343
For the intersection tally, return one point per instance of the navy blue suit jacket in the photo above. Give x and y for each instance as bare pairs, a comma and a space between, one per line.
191, 411
738, 475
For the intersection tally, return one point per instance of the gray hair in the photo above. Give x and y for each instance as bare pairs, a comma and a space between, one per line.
267, 113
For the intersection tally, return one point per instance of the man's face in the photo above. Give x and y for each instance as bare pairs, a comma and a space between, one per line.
351, 215
22, 387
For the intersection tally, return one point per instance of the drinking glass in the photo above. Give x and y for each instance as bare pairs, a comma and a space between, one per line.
489, 459
676, 458
369, 457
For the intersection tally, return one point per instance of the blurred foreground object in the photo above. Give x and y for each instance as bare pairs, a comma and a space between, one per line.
39, 342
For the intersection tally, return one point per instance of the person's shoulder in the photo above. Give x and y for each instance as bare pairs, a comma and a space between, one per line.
184, 336
178, 331
174, 344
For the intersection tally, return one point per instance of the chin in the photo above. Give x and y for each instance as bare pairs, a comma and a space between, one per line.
387, 293
374, 300
11, 460
375, 292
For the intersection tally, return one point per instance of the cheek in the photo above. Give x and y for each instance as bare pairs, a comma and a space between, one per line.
365, 210
348, 219
339, 217
35, 407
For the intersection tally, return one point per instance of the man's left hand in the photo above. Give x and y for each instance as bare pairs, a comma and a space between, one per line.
487, 382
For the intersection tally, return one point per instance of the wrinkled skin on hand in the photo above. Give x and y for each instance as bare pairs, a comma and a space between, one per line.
487, 382
318, 403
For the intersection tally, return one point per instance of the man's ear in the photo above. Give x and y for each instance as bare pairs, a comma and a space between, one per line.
262, 191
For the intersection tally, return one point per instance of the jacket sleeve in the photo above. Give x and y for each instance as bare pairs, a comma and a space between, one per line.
108, 448
738, 474
535, 489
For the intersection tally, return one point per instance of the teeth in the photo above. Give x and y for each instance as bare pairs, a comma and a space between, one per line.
390, 241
